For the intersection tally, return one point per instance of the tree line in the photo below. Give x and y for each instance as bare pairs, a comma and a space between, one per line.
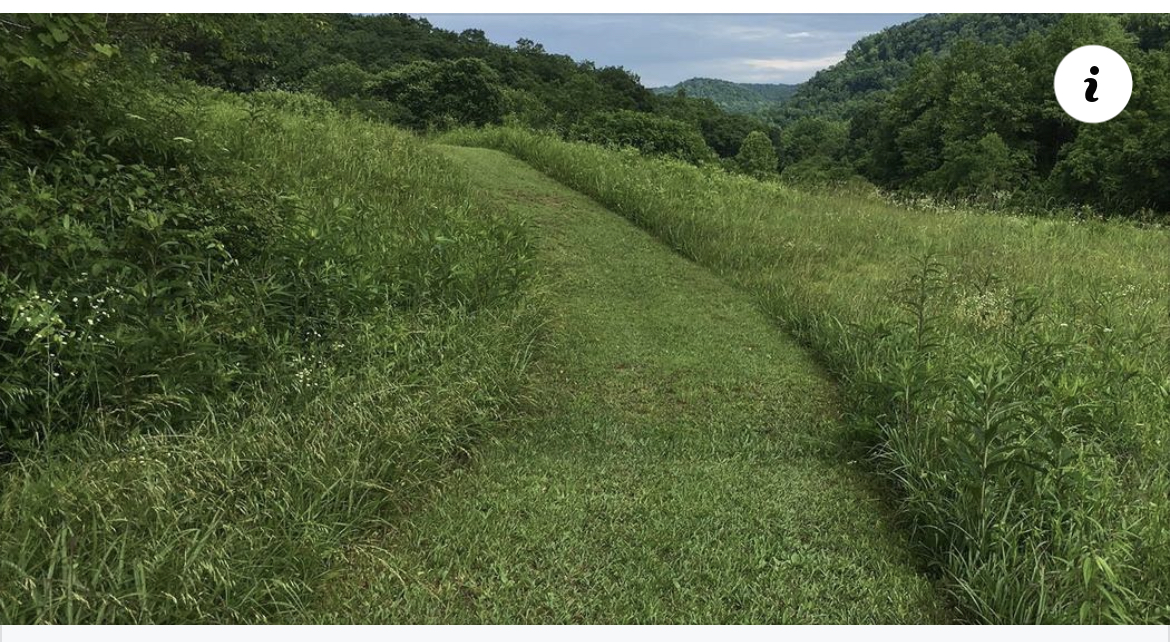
955, 106
976, 117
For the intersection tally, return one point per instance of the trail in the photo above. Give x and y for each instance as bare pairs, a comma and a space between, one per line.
685, 465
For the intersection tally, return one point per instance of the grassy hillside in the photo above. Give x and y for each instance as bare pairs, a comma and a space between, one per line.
235, 334
250, 338
955, 106
1012, 373
738, 98
686, 463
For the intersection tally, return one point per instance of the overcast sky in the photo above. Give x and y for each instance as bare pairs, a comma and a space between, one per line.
666, 48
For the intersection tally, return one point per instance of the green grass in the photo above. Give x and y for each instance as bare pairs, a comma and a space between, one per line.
685, 462
423, 323
1013, 374
674, 458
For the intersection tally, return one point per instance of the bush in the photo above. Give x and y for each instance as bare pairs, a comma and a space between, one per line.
653, 135
46, 63
122, 288
126, 259
818, 170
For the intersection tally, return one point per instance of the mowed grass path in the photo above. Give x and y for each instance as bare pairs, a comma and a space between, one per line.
685, 463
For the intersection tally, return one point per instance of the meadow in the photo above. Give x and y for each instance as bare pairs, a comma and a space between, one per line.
215, 394
1011, 374
302, 355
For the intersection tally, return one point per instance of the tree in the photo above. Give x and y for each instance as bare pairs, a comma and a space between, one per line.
978, 168
344, 80
1124, 164
722, 130
756, 155
623, 90
810, 137
441, 94
882, 61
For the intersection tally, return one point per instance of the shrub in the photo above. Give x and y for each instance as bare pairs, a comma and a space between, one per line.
818, 170
652, 134
46, 61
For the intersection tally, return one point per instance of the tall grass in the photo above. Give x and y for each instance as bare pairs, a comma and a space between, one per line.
392, 319
1012, 374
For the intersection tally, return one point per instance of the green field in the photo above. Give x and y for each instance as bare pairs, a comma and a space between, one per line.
396, 329
1010, 372
818, 408
448, 331
686, 464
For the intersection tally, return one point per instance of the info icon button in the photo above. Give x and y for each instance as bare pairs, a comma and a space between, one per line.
1093, 84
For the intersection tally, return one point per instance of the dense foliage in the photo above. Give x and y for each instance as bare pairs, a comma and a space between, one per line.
982, 120
962, 107
655, 135
880, 62
735, 97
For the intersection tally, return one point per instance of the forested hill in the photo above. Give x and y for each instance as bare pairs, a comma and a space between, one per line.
403, 70
880, 61
741, 98
962, 106
340, 56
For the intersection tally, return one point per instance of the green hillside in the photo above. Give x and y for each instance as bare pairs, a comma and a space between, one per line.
1011, 373
740, 98
337, 318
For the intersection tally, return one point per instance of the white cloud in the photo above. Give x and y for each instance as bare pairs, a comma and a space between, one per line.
743, 32
799, 35
791, 64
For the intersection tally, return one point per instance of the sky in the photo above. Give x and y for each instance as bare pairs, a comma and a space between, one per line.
664, 49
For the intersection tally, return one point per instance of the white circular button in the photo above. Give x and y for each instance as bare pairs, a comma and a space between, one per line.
1093, 84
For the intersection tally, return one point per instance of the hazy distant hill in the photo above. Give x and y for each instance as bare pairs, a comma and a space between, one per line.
743, 98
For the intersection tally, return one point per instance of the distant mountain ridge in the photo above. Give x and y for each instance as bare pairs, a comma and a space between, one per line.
735, 97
